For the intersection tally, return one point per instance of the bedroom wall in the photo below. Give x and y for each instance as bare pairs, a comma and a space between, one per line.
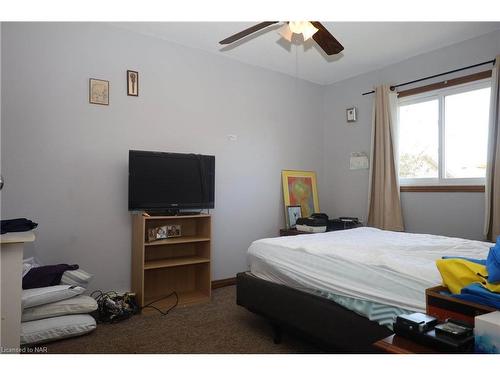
453, 214
65, 160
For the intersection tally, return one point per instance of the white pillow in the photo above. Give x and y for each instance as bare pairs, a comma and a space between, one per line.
38, 331
77, 277
76, 305
41, 296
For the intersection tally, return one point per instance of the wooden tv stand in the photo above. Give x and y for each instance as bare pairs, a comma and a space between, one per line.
180, 264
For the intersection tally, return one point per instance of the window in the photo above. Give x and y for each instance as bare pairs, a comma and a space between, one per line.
443, 136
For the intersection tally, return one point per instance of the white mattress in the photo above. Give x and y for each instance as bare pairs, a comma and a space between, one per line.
370, 264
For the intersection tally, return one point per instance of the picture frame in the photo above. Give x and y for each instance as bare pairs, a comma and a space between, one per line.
132, 83
294, 213
351, 114
98, 91
164, 232
300, 189
174, 231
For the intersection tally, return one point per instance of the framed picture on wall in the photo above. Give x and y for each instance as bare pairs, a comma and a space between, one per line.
300, 189
351, 114
132, 83
294, 213
98, 91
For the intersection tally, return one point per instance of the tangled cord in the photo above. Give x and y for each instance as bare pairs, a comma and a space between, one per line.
150, 304
113, 307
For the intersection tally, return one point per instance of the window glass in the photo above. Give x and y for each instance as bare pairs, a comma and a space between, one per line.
419, 140
466, 133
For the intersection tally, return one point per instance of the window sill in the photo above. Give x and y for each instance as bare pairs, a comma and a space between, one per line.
442, 189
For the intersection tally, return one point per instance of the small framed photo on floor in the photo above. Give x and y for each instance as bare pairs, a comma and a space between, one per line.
132, 83
294, 213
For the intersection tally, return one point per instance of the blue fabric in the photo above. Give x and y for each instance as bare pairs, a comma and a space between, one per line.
478, 261
493, 263
477, 293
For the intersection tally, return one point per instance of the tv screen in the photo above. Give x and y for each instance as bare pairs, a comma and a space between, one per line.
163, 180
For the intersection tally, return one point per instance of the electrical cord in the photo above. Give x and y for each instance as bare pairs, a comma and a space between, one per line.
150, 304
113, 307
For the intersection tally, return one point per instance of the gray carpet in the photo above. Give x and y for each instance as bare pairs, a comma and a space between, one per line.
216, 327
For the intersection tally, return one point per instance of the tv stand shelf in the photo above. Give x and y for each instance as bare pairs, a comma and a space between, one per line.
180, 264
174, 262
169, 217
175, 240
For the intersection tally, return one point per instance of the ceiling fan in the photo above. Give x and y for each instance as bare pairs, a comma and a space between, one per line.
308, 29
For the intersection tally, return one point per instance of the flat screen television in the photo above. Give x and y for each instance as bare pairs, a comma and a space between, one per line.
160, 181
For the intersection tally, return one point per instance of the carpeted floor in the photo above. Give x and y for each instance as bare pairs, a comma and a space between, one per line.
216, 327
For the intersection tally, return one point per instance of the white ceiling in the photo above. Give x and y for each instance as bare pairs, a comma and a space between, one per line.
368, 45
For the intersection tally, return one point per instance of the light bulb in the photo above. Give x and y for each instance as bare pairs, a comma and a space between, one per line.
285, 32
305, 28
309, 31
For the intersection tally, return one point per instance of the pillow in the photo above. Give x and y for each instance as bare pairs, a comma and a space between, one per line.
41, 296
75, 305
77, 277
44, 330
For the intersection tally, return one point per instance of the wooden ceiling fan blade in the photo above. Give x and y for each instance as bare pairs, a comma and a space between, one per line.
244, 33
325, 40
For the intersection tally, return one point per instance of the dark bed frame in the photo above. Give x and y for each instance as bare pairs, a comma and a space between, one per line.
331, 327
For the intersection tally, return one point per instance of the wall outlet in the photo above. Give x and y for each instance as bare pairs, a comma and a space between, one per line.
232, 137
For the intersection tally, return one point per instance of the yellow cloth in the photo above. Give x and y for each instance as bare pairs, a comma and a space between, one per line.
458, 273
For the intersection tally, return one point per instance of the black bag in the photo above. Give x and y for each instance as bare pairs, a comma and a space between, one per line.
112, 307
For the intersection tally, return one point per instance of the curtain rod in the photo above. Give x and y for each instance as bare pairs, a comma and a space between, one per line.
436, 75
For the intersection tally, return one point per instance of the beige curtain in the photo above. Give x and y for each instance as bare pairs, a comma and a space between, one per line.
384, 205
492, 187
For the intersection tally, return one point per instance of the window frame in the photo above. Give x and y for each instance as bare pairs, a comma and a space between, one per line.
441, 182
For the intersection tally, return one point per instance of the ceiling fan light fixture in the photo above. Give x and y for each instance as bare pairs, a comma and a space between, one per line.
305, 28
308, 32
285, 32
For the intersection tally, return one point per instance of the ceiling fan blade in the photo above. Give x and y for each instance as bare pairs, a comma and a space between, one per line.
244, 33
325, 40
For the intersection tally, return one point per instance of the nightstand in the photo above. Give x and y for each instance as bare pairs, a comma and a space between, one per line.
334, 225
291, 232
399, 345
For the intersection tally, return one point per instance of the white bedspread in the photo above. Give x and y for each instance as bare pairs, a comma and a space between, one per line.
392, 268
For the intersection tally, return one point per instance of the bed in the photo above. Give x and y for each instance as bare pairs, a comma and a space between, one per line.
343, 289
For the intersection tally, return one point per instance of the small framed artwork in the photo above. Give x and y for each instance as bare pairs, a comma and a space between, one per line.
132, 83
352, 115
294, 212
98, 91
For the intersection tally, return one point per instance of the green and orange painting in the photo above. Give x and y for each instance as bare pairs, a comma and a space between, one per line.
300, 191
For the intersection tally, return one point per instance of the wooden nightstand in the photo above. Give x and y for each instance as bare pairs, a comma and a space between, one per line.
440, 304
291, 232
399, 345
338, 226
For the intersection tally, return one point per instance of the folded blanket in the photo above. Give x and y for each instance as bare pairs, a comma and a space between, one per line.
474, 280
40, 277
478, 294
16, 225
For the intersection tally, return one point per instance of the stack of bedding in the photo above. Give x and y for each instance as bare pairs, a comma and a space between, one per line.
59, 311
